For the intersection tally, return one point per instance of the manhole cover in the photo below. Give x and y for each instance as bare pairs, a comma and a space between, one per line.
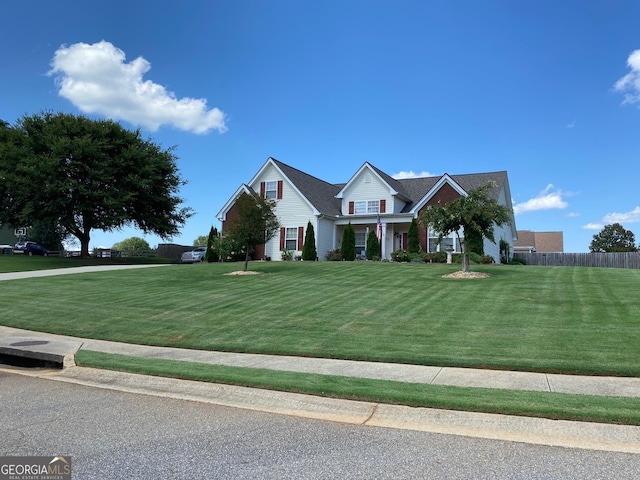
29, 343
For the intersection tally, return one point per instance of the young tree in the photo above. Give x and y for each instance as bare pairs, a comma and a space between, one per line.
373, 246
84, 174
348, 247
309, 251
413, 237
473, 214
213, 246
254, 224
613, 238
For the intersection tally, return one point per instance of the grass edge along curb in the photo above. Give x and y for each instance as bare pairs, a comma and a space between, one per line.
555, 406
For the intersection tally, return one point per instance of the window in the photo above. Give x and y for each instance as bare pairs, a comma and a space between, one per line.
446, 243
360, 242
365, 207
361, 208
291, 239
271, 190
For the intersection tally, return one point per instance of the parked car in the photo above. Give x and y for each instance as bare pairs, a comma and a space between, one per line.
195, 255
30, 248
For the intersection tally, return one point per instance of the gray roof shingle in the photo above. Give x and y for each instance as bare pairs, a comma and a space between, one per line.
322, 195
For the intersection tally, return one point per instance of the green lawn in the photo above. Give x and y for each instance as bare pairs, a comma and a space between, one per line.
586, 408
24, 263
552, 319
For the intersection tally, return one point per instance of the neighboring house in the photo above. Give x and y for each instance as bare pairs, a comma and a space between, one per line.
543, 242
369, 196
8, 238
7, 235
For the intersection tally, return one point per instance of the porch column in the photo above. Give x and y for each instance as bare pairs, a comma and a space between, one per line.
384, 241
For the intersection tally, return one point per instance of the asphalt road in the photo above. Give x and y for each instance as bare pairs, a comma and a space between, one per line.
116, 435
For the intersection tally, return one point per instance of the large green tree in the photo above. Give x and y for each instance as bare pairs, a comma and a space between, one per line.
131, 243
613, 238
473, 214
84, 174
254, 223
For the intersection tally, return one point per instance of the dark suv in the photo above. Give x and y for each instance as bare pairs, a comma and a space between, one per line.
30, 248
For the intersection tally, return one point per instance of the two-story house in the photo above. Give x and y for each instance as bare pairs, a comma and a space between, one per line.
371, 199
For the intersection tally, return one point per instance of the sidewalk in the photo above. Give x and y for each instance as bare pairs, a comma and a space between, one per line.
619, 438
61, 347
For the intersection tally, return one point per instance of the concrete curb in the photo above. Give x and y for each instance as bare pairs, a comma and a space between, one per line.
559, 433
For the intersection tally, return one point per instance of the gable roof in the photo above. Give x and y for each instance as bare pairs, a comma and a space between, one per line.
321, 194
325, 197
394, 185
417, 188
244, 188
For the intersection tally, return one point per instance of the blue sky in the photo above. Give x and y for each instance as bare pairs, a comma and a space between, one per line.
546, 90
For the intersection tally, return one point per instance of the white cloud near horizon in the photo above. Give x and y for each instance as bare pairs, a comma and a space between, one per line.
610, 218
549, 198
97, 79
411, 174
630, 83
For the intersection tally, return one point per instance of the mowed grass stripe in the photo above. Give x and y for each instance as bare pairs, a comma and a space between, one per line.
553, 319
620, 410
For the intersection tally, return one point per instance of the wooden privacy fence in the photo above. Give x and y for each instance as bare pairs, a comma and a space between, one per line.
172, 250
606, 260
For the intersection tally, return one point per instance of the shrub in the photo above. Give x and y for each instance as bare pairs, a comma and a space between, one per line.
231, 250
475, 258
286, 255
400, 256
348, 243
309, 251
373, 246
213, 247
486, 259
334, 255
413, 237
416, 258
436, 257
517, 261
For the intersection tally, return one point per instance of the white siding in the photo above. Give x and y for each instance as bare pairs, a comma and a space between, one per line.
292, 210
499, 233
360, 190
398, 205
324, 237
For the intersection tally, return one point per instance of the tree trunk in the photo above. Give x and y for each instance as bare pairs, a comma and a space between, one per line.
465, 257
84, 246
246, 261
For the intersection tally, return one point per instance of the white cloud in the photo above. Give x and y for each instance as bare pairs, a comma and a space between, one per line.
593, 226
610, 218
546, 200
572, 214
411, 174
97, 80
630, 83
628, 217
571, 125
